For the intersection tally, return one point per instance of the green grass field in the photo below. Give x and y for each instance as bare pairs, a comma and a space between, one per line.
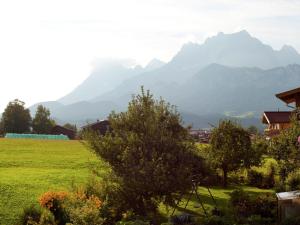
29, 168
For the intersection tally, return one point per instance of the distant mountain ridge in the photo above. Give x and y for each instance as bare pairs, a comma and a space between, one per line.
105, 77
227, 74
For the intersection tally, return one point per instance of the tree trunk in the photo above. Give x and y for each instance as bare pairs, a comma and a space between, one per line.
224, 177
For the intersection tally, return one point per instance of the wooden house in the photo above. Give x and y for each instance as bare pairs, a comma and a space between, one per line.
58, 130
291, 96
276, 121
279, 120
101, 127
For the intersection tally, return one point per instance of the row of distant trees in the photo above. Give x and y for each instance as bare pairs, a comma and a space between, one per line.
17, 119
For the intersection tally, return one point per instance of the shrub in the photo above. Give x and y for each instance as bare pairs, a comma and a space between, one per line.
83, 209
258, 220
255, 178
133, 222
29, 215
53, 201
241, 203
280, 187
264, 205
269, 180
293, 180
115, 203
47, 218
216, 220
291, 221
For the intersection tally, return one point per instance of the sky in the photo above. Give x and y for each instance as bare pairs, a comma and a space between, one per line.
48, 47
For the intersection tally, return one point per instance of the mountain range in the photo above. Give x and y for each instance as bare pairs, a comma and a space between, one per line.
229, 75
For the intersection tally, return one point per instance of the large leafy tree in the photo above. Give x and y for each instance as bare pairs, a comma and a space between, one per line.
231, 148
150, 151
42, 123
16, 118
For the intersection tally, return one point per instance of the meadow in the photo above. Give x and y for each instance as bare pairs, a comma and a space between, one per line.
29, 168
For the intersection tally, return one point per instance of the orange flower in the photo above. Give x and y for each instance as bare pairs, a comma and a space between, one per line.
96, 201
47, 199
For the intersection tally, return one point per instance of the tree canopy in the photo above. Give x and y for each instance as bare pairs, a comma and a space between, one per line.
150, 151
42, 123
16, 118
230, 148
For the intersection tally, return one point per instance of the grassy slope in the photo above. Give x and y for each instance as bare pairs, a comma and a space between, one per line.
30, 167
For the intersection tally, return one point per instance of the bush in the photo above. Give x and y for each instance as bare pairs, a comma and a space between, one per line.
265, 205
291, 221
30, 215
258, 220
83, 209
47, 218
216, 220
244, 205
269, 181
241, 203
53, 201
77, 208
115, 203
293, 181
255, 178
133, 222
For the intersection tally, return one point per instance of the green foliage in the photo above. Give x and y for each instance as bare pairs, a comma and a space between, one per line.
255, 178
285, 149
263, 176
293, 180
47, 218
41, 123
259, 209
115, 203
291, 221
133, 222
259, 146
253, 130
259, 220
15, 118
216, 220
231, 148
151, 153
30, 215
83, 209
241, 203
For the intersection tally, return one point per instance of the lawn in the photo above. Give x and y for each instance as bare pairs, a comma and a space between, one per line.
30, 167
